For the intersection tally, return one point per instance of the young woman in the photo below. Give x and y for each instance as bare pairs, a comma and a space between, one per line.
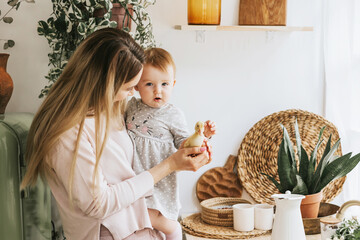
78, 145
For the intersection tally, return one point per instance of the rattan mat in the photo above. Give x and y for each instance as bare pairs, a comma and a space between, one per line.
259, 148
193, 225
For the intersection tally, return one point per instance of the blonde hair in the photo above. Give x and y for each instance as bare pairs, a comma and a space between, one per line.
101, 64
159, 58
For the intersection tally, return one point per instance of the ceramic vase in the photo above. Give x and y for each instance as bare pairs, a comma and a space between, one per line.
6, 83
310, 205
118, 14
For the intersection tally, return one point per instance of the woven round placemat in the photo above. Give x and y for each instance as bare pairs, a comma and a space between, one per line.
194, 225
218, 211
259, 149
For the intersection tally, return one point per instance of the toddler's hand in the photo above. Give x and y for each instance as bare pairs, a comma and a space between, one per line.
208, 146
210, 129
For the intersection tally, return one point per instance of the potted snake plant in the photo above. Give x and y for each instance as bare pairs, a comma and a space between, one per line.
310, 176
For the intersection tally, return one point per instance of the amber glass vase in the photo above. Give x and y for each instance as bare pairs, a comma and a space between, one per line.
206, 12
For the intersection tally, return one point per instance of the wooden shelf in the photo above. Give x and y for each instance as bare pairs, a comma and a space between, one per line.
242, 28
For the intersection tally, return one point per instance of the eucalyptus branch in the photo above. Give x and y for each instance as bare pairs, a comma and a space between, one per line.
1, 19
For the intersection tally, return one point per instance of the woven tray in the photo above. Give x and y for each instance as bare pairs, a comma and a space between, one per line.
220, 182
213, 213
259, 148
194, 225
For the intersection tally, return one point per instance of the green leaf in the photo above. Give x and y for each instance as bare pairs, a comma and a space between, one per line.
103, 23
327, 148
126, 29
107, 5
60, 23
284, 168
17, 6
12, 2
300, 187
357, 233
298, 140
6, 45
77, 11
57, 47
336, 169
288, 144
81, 28
8, 20
293, 169
72, 15
107, 15
276, 183
11, 43
113, 24
42, 28
291, 155
69, 26
312, 160
322, 164
304, 165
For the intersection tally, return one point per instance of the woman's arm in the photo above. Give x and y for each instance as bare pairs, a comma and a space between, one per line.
105, 199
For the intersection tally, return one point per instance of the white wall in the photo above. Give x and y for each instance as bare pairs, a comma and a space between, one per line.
234, 78
28, 61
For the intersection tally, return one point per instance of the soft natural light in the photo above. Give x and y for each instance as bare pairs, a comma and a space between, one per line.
342, 76
356, 30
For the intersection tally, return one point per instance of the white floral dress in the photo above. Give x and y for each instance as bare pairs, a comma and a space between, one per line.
156, 134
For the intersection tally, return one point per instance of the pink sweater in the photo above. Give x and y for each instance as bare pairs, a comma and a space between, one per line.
118, 203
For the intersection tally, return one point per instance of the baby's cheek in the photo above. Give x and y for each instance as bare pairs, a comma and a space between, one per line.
130, 126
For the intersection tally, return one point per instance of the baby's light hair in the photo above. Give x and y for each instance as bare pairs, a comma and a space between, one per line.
159, 58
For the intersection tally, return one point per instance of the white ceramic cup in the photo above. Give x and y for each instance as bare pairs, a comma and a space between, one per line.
243, 217
264, 216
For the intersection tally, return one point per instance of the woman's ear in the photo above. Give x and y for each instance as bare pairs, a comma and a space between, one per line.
136, 88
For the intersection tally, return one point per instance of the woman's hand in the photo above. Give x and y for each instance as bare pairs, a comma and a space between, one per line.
205, 144
185, 159
189, 159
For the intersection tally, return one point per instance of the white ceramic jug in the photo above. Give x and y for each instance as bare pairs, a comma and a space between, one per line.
288, 224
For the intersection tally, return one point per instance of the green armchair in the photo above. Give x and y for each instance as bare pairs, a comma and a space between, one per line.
25, 215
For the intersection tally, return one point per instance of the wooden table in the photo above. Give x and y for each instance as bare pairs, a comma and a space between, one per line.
264, 237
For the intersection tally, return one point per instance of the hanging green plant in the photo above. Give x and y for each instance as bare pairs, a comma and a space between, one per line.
143, 32
72, 21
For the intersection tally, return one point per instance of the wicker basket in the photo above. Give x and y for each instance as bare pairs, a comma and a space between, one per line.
218, 211
259, 148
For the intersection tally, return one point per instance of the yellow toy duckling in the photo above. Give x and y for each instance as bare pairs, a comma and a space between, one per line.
197, 139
